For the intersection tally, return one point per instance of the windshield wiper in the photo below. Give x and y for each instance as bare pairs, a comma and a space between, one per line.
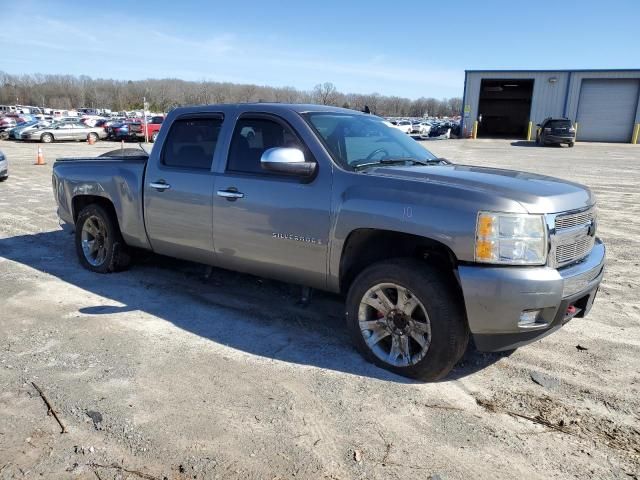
397, 161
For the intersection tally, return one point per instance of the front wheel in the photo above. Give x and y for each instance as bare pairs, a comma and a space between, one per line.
46, 138
99, 243
571, 144
404, 316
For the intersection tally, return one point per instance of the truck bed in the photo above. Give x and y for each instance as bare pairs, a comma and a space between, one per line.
117, 178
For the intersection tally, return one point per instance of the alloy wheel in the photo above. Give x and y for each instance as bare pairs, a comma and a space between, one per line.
394, 324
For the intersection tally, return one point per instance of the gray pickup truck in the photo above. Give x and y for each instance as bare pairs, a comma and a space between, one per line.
428, 253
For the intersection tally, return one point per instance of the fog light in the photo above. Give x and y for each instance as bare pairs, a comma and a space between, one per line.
531, 318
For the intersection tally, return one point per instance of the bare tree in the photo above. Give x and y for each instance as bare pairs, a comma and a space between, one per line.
67, 91
325, 93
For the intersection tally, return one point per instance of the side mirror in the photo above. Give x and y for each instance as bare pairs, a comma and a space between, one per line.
287, 160
538, 125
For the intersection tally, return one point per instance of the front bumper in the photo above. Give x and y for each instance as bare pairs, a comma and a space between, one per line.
495, 297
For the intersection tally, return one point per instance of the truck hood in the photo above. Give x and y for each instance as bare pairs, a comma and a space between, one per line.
536, 193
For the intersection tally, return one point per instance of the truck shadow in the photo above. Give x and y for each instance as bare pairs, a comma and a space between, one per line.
254, 315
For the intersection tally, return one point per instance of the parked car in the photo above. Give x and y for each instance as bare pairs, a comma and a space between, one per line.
119, 130
16, 132
64, 131
6, 124
402, 125
556, 131
4, 167
427, 252
424, 128
136, 129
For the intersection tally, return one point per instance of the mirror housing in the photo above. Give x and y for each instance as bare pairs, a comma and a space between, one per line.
290, 161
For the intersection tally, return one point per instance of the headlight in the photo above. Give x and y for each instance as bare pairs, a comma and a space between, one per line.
511, 238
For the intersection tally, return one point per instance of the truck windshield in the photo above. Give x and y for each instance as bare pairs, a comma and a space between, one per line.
355, 140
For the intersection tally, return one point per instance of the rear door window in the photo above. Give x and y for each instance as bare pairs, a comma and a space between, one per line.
191, 143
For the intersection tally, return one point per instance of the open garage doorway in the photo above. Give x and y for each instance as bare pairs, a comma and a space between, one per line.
504, 108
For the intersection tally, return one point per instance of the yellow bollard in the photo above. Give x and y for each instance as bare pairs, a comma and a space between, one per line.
575, 127
474, 131
529, 132
636, 133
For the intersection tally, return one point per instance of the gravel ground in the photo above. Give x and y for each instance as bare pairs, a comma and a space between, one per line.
159, 373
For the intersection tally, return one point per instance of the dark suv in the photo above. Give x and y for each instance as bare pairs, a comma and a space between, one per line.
557, 131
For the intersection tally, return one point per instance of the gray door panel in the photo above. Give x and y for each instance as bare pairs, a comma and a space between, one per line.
178, 190
178, 219
278, 229
606, 110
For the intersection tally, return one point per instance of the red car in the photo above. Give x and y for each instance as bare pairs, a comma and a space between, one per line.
136, 130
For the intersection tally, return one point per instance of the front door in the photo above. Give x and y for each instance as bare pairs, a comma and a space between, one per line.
270, 224
178, 190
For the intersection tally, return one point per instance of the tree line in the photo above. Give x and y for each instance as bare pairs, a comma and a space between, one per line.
69, 91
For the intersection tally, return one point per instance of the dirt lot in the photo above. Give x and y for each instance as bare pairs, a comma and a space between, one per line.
158, 373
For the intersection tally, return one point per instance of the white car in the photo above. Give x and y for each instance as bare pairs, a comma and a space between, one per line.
404, 125
424, 128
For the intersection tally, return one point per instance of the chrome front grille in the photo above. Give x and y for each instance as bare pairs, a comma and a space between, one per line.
573, 220
573, 238
574, 251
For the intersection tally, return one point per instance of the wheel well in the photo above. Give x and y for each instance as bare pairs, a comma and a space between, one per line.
364, 247
81, 201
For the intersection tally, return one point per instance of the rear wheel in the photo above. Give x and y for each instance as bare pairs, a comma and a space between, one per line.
571, 144
404, 316
99, 243
93, 136
46, 138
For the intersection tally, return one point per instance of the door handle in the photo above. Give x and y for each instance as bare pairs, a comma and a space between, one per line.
160, 185
230, 194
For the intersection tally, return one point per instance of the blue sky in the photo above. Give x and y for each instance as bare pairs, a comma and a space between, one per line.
413, 48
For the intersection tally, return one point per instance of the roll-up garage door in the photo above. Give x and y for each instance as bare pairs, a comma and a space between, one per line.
607, 109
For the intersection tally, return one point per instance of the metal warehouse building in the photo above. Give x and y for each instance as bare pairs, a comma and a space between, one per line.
509, 103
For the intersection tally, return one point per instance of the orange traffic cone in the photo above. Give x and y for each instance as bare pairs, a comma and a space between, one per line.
90, 139
40, 157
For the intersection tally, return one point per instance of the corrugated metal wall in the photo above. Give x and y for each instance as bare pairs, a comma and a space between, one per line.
556, 98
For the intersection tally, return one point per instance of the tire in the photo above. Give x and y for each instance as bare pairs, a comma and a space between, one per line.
154, 137
437, 320
46, 138
571, 144
93, 136
111, 254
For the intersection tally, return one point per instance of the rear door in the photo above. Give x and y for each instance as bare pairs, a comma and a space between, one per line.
178, 189
265, 223
80, 131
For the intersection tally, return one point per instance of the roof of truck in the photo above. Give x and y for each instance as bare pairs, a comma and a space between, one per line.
274, 107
